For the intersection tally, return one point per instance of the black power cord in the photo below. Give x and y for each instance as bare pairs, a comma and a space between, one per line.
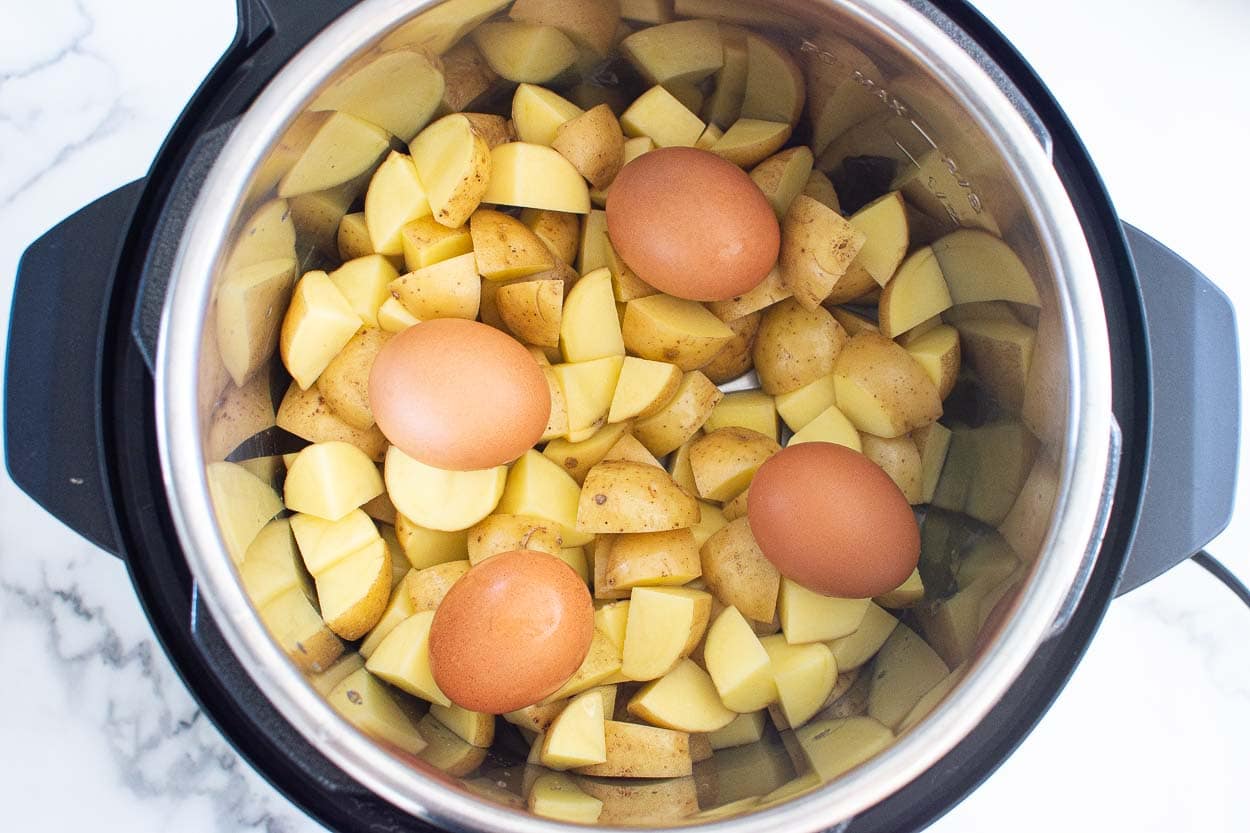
1207, 562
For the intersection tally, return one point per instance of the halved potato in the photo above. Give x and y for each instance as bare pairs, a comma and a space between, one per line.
739, 666
796, 346
403, 659
738, 573
340, 148
636, 751
783, 177
916, 293
442, 500
366, 284
532, 310
750, 409
688, 50
589, 327
588, 388
664, 328
247, 325
749, 142
775, 89
594, 144
525, 52
243, 504
652, 559
535, 176
633, 497
538, 487
644, 387
882, 389
454, 164
684, 699
664, 625
817, 248
661, 117
678, 420
345, 381
331, 479
538, 113
448, 289
980, 267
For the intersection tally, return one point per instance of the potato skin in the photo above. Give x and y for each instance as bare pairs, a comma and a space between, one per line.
817, 247
685, 413
738, 574
623, 496
594, 143
345, 381
734, 359
796, 346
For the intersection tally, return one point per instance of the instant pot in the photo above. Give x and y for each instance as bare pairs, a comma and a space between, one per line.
103, 418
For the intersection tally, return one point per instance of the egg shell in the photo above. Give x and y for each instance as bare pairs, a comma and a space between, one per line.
832, 520
459, 395
692, 225
510, 632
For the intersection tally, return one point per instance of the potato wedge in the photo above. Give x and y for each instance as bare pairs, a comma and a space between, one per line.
576, 737
775, 88
739, 666
681, 418
247, 325
446, 751
395, 197
532, 311
425, 241
365, 283
882, 389
474, 728
560, 232
905, 670
317, 216
591, 26
576, 459
817, 249
268, 234
999, 352
652, 559
370, 706
603, 662
980, 267
734, 358
538, 113
318, 324
306, 414
907, 594
341, 147
467, 77
746, 728
801, 406
447, 289
750, 409
353, 237
589, 327
688, 50
525, 52
805, 676
662, 118
438, 29
769, 291
664, 328
588, 388
453, 162
900, 459
724, 461
594, 144
540, 488
738, 573
932, 441
442, 500
556, 796
810, 617
636, 751
783, 177
497, 534
241, 413
633, 497
796, 346
664, 625
505, 248
684, 700
345, 381
534, 176
430, 585
644, 387
628, 448
820, 188
939, 352
397, 90
243, 504
748, 142
403, 659
916, 293
331, 479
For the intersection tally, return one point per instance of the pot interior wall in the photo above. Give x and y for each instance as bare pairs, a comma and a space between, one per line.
879, 123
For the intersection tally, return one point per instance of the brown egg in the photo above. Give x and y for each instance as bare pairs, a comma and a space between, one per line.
510, 632
458, 395
832, 520
692, 225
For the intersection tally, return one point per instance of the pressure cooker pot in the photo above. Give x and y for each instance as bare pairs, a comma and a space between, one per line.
1082, 450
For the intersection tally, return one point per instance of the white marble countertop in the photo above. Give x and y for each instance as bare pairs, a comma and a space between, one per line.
1152, 734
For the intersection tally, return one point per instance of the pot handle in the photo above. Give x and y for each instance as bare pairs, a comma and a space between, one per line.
1191, 472
53, 439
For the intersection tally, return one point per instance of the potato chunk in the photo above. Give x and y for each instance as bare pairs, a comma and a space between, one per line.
633, 497
738, 573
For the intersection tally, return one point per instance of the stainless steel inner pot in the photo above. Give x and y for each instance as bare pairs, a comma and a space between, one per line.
977, 160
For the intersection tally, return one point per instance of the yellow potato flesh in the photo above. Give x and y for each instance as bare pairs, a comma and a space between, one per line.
906, 668
247, 325
576, 737
661, 620
403, 659
751, 409
394, 198
916, 293
318, 324
980, 267
368, 706
331, 479
555, 796
644, 387
805, 674
535, 176
684, 699
438, 499
831, 426
447, 289
738, 664
536, 486
474, 728
425, 241
834, 747
662, 118
811, 617
243, 504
